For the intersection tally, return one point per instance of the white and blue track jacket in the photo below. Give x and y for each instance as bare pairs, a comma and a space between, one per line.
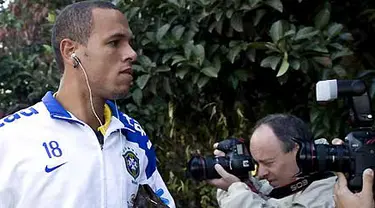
51, 159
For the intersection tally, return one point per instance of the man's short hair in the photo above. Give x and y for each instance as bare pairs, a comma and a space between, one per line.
286, 128
75, 22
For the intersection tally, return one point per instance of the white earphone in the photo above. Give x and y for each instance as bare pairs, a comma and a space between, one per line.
77, 63
76, 60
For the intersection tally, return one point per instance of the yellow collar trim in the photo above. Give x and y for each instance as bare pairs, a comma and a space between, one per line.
107, 119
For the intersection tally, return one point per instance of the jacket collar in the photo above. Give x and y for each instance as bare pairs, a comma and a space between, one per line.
57, 111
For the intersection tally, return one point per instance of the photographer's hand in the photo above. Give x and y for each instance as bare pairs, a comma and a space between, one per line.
226, 179
344, 198
218, 152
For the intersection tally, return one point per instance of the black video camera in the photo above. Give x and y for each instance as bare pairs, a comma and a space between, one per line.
237, 161
358, 151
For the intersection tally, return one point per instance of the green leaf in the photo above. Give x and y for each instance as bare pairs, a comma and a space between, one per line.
51, 17
234, 81
284, 66
163, 69
174, 2
145, 42
233, 53
314, 114
317, 48
167, 86
202, 81
276, 31
167, 56
181, 72
177, 59
322, 18
195, 78
236, 22
234, 43
295, 64
199, 53
258, 45
216, 62
341, 53
334, 29
145, 61
218, 15
276, 4
153, 85
150, 35
346, 36
289, 33
178, 31
142, 80
162, 31
270, 61
212, 26
189, 35
251, 53
138, 68
219, 26
229, 13
132, 12
245, 8
188, 48
305, 33
210, 71
137, 96
48, 48
259, 14
254, 3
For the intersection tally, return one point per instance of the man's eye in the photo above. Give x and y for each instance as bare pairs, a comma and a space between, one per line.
268, 163
114, 43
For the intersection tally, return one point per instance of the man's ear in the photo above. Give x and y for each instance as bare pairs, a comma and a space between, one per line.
296, 148
67, 48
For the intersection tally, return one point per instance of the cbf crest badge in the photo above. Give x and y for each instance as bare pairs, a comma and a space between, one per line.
131, 163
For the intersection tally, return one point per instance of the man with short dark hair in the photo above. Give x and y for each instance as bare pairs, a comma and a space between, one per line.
274, 147
75, 148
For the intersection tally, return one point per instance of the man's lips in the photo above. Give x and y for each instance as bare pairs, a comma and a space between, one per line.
128, 70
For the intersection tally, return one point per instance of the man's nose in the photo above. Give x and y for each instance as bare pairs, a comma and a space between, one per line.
133, 54
129, 54
262, 172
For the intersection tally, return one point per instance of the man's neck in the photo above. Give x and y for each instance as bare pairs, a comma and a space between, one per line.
77, 101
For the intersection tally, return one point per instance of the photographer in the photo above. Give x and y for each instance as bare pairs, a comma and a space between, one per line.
273, 145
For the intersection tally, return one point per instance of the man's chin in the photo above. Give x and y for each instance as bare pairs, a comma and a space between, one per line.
274, 184
118, 95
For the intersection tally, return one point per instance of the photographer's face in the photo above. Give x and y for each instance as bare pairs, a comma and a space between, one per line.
274, 165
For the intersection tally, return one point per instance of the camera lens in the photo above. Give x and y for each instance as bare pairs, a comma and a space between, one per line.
323, 157
333, 158
202, 168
